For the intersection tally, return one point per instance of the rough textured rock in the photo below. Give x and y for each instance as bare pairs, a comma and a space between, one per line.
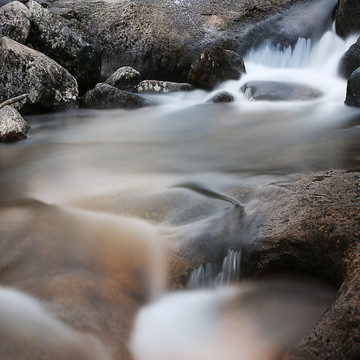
50, 35
214, 66
161, 39
350, 60
12, 125
156, 87
353, 89
222, 97
4, 2
105, 96
347, 17
15, 21
124, 78
278, 91
307, 225
24, 70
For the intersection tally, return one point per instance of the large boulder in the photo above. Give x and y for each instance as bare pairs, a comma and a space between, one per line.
350, 60
353, 89
105, 96
214, 66
51, 35
12, 125
279, 91
27, 71
162, 38
347, 17
15, 21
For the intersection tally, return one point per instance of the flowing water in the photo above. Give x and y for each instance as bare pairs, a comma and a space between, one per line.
173, 165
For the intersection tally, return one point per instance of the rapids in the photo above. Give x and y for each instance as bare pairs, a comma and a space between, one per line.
114, 164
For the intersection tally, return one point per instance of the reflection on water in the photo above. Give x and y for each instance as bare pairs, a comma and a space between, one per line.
136, 163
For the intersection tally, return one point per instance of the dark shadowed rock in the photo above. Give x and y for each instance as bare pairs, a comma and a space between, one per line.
279, 91
24, 70
12, 125
51, 35
353, 89
347, 17
15, 21
222, 97
156, 87
350, 60
214, 66
124, 78
105, 96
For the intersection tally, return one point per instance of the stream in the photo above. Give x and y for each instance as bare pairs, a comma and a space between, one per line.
71, 191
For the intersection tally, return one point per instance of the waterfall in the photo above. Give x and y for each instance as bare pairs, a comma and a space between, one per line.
206, 277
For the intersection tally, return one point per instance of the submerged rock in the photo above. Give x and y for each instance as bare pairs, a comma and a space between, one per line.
214, 66
353, 89
15, 21
350, 61
12, 125
24, 70
105, 96
51, 35
124, 78
222, 97
347, 17
279, 91
155, 87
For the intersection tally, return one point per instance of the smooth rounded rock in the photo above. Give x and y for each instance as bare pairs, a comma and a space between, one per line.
222, 97
350, 61
105, 96
353, 89
347, 17
124, 78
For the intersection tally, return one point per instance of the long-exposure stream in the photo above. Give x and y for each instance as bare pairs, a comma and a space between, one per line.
111, 210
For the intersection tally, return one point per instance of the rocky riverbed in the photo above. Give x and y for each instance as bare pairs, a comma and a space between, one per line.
278, 182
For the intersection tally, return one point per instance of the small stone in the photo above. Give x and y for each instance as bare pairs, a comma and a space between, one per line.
222, 97
12, 126
124, 78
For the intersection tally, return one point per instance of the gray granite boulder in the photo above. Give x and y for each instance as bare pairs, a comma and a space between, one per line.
27, 71
350, 60
347, 17
105, 96
279, 91
12, 125
162, 38
158, 87
15, 21
124, 78
51, 35
353, 89
214, 66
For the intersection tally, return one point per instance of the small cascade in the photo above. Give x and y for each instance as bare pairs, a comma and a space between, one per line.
207, 277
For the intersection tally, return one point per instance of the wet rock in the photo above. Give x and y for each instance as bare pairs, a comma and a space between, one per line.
347, 17
51, 35
24, 70
214, 66
105, 96
124, 78
279, 91
155, 87
15, 21
161, 39
350, 60
222, 97
12, 125
353, 89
